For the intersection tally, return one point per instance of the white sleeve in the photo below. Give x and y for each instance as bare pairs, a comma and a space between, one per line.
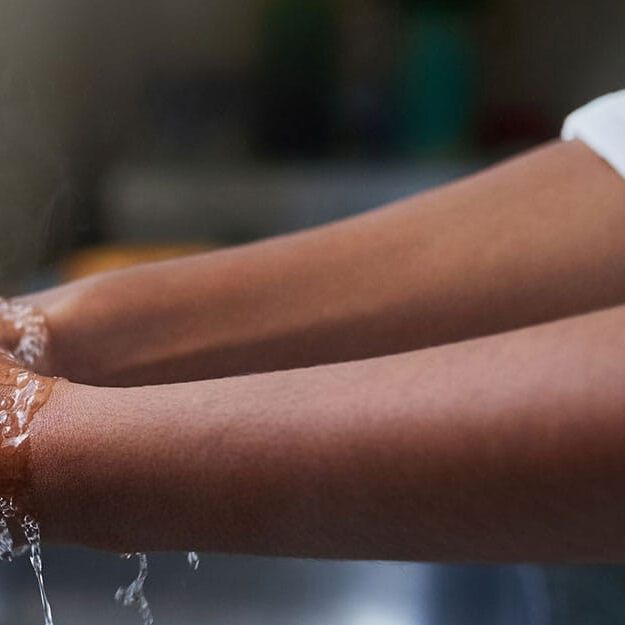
601, 126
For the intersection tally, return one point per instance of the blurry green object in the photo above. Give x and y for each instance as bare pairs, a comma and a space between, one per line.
436, 79
298, 77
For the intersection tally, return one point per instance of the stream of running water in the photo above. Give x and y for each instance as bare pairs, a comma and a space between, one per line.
134, 595
9, 551
26, 393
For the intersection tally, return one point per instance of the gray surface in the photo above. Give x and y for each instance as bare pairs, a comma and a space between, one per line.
263, 591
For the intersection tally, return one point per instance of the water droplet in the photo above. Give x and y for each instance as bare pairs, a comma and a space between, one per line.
194, 560
134, 595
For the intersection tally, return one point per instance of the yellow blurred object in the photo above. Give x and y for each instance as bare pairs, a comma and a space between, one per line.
107, 258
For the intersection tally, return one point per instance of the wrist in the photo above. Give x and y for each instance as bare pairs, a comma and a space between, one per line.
67, 312
55, 483
82, 443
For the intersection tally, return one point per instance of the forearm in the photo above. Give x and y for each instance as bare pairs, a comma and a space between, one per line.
503, 448
538, 238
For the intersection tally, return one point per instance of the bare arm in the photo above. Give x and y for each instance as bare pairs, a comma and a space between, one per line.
537, 238
508, 448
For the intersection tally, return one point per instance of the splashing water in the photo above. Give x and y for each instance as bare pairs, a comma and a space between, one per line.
6, 541
32, 534
194, 560
134, 595
33, 537
29, 326
7, 511
28, 391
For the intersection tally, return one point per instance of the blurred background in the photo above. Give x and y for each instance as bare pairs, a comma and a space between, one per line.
133, 130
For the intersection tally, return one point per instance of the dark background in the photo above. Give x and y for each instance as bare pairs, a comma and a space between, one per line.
136, 122
132, 130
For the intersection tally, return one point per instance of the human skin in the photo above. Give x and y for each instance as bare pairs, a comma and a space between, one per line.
537, 238
502, 448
